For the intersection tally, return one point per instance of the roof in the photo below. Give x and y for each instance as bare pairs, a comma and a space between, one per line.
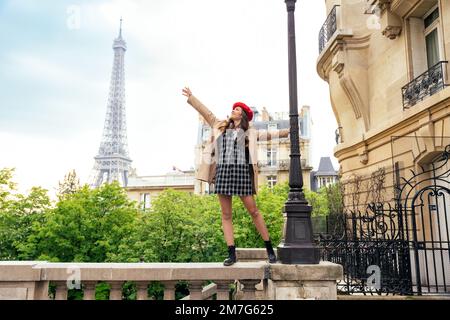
325, 167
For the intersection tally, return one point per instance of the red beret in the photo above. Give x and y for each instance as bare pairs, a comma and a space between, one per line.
244, 107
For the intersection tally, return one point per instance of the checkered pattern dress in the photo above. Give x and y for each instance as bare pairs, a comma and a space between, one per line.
234, 172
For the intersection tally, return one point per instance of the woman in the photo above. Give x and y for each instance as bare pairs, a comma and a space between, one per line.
235, 171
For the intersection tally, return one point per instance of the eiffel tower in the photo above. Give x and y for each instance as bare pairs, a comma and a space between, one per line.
112, 162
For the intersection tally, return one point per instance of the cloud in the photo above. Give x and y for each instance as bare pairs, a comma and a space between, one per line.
44, 161
225, 51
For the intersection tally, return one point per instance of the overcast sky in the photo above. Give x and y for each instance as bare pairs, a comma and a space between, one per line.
55, 67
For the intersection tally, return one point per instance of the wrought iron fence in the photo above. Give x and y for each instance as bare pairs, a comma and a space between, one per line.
427, 84
401, 247
328, 28
368, 242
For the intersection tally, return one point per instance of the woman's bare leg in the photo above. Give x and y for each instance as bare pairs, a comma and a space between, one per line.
258, 220
227, 218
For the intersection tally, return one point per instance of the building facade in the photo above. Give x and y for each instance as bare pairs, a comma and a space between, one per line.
273, 155
144, 189
386, 65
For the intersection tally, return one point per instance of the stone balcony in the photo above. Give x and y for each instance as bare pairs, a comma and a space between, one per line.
255, 279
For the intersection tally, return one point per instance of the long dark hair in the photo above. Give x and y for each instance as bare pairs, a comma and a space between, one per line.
229, 124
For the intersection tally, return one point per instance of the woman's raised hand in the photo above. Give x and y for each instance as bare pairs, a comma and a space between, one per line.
187, 92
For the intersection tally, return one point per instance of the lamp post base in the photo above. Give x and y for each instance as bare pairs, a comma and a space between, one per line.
298, 254
297, 245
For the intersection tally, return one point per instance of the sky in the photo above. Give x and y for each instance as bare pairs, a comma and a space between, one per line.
55, 67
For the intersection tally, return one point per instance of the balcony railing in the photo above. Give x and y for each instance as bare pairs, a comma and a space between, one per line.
425, 85
328, 29
274, 164
278, 164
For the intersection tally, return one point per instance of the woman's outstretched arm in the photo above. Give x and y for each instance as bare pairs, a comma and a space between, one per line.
200, 107
265, 135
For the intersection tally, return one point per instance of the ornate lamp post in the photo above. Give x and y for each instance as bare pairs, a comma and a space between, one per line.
297, 245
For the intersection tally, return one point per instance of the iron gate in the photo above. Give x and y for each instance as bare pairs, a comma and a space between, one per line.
401, 248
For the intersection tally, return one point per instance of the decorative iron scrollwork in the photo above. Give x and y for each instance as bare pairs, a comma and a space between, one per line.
427, 84
328, 29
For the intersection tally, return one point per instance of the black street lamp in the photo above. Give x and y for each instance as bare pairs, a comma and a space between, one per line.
297, 245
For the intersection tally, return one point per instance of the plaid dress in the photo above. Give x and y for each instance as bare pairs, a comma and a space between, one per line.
234, 172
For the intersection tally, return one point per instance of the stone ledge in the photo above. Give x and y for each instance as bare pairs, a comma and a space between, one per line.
19, 271
30, 279
152, 271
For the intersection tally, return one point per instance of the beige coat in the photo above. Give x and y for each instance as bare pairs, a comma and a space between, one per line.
208, 159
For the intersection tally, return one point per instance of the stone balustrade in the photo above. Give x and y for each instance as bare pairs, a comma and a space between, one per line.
29, 280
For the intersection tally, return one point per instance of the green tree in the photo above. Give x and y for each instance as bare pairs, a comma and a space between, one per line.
183, 227
6, 187
335, 198
18, 214
336, 216
86, 226
179, 227
318, 201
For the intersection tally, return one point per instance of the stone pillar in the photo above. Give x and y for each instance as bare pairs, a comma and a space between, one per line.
142, 290
223, 289
41, 290
304, 282
249, 289
169, 290
195, 289
89, 290
115, 292
61, 290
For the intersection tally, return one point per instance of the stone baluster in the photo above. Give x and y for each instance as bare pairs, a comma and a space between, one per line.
61, 290
195, 289
223, 289
89, 290
249, 288
142, 290
169, 290
209, 291
115, 292
41, 290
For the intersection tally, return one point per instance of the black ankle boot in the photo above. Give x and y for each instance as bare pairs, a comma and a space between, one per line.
270, 253
231, 256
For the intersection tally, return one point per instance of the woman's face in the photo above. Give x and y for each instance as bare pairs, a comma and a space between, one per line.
236, 113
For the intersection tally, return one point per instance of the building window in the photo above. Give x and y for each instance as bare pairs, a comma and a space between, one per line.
427, 59
145, 201
271, 181
271, 157
425, 38
431, 23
